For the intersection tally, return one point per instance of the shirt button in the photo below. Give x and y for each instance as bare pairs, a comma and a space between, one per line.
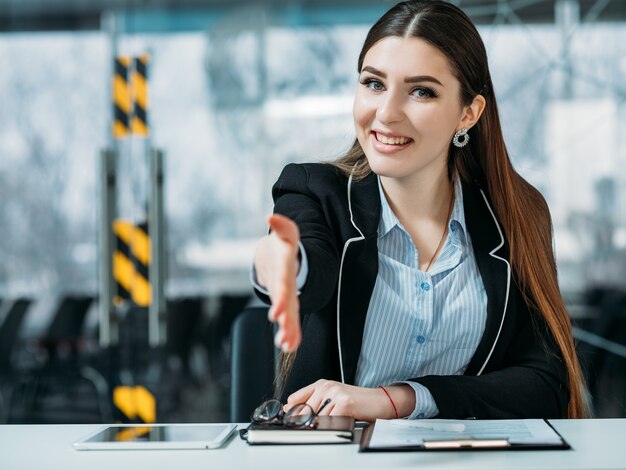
421, 339
420, 416
453, 228
425, 286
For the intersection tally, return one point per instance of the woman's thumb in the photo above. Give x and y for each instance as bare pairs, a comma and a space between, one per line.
284, 227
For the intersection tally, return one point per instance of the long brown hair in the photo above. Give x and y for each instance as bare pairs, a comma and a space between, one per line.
519, 207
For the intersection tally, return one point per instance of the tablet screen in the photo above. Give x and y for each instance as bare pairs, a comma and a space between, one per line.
158, 436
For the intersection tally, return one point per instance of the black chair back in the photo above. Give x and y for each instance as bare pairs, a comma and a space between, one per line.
9, 331
67, 322
252, 363
184, 316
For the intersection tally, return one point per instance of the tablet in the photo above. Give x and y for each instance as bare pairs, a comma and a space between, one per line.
156, 436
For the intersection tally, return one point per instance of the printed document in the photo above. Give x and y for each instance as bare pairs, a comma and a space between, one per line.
408, 433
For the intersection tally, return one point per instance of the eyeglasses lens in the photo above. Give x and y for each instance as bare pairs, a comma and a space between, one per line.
299, 415
267, 411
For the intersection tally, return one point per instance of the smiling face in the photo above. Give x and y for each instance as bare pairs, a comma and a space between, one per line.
406, 108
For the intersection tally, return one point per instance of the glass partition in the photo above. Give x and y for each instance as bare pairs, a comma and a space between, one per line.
235, 93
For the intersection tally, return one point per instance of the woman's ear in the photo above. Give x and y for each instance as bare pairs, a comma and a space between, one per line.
472, 113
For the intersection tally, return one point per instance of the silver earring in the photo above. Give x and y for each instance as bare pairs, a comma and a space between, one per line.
462, 134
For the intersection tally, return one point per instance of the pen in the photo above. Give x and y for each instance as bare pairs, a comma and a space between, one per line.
466, 443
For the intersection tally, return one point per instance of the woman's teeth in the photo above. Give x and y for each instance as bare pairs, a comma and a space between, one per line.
392, 140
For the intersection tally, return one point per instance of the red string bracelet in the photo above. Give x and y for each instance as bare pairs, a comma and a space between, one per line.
395, 410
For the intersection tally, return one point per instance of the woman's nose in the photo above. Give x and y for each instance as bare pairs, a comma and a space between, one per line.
390, 108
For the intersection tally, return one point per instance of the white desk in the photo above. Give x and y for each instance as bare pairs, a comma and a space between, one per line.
597, 444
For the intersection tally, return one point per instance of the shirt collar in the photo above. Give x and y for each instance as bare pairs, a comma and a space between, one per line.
457, 219
388, 219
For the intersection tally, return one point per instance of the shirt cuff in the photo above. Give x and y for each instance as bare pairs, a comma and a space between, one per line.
300, 280
304, 268
425, 406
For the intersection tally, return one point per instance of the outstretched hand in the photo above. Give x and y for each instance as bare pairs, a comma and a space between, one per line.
276, 263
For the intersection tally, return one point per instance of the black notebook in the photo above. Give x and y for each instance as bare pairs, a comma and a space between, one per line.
450, 434
329, 430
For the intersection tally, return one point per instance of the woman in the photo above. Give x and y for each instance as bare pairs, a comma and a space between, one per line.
415, 275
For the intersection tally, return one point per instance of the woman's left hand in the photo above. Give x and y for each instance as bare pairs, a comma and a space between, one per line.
364, 404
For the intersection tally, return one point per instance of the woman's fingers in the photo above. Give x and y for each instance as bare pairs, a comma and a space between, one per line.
303, 395
313, 395
276, 263
282, 275
289, 324
327, 410
283, 250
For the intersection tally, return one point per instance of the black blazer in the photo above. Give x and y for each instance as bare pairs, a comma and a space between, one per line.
516, 371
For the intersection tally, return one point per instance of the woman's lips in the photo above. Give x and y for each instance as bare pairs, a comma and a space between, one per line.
388, 148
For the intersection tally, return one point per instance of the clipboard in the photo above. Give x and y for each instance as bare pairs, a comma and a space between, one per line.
463, 443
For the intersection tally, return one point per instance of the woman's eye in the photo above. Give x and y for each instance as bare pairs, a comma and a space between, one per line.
423, 93
373, 84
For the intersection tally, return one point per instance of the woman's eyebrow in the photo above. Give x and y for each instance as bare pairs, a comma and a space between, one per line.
415, 79
422, 78
374, 71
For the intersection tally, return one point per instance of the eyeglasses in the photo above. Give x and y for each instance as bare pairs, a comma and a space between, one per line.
299, 415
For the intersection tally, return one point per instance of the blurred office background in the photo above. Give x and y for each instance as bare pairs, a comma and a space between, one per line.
236, 90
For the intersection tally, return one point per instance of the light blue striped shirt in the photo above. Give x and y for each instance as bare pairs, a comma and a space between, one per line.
422, 323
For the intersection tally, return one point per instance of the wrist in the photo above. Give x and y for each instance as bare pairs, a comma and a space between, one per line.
392, 412
403, 398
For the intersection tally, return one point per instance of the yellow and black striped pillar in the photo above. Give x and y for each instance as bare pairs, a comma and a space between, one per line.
140, 96
131, 263
122, 99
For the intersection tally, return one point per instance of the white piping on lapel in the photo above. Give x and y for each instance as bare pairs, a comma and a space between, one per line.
343, 254
508, 280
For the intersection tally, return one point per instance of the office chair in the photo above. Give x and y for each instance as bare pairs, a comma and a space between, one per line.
217, 335
65, 330
252, 363
9, 334
601, 361
184, 319
65, 386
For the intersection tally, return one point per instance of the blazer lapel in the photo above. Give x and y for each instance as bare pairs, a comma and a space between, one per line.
359, 268
491, 252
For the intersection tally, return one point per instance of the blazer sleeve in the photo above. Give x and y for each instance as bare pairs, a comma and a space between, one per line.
529, 383
294, 198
